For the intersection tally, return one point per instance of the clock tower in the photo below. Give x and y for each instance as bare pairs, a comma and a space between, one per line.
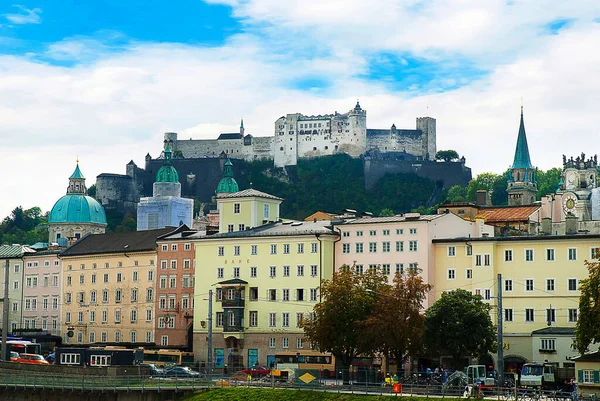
522, 186
578, 180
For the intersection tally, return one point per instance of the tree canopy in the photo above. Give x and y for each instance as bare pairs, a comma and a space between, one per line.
588, 330
24, 226
447, 155
459, 324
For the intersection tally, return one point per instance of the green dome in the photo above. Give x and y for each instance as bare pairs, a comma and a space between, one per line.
76, 208
167, 173
228, 184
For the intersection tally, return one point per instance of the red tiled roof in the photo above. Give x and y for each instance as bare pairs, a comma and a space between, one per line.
507, 213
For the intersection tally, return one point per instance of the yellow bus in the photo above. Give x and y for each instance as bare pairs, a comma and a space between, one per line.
168, 357
323, 362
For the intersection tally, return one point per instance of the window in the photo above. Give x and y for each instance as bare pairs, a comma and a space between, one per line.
345, 248
104, 316
253, 293
359, 233
119, 277
508, 285
486, 259
285, 342
314, 270
272, 342
469, 250
185, 281
68, 297
187, 247
220, 272
117, 316
104, 296
549, 284
236, 272
451, 274
230, 228
70, 359
272, 295
529, 315
385, 246
399, 231
272, 271
572, 315
253, 315
372, 247
236, 250
487, 294
67, 317
149, 294
588, 376
253, 271
93, 297
359, 247
300, 270
300, 248
118, 296
134, 276
400, 268
273, 249
469, 274
164, 340
285, 294
313, 294
508, 255
163, 265
285, 319
359, 269
93, 280
508, 315
219, 322
272, 319
236, 208
399, 246
413, 246
572, 284
314, 247
594, 253
572, 253
300, 294
286, 249
550, 254
528, 255
451, 251
412, 230
185, 302
529, 284
266, 212
299, 319
165, 247
221, 251
254, 249
550, 315
133, 316
548, 344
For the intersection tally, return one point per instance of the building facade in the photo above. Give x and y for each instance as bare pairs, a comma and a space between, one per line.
42, 292
12, 257
109, 283
246, 209
399, 243
540, 287
175, 289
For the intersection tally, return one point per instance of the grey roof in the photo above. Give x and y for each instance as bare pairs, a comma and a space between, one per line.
289, 228
233, 135
528, 237
132, 241
393, 219
555, 331
14, 251
247, 193
591, 357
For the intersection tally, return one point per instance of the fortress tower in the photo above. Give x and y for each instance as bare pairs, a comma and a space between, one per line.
522, 186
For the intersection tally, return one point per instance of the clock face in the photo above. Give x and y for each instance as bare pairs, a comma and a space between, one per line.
569, 202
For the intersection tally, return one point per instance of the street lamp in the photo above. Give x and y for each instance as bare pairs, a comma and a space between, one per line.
209, 299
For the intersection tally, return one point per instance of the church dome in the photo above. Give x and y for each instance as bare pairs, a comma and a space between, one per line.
228, 184
77, 208
167, 173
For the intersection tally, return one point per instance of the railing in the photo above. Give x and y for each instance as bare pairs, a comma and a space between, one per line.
233, 303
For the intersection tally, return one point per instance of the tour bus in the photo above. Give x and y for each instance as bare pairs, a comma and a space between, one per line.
323, 362
23, 347
168, 357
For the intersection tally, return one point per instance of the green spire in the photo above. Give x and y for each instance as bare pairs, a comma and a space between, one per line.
77, 173
228, 184
522, 159
167, 172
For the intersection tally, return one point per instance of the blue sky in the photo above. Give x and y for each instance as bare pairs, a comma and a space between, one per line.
103, 80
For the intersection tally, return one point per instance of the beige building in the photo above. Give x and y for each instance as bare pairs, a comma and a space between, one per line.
109, 285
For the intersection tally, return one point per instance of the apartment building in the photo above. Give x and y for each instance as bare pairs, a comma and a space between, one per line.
109, 283
12, 257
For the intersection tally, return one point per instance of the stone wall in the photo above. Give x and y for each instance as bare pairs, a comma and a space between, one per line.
11, 369
448, 173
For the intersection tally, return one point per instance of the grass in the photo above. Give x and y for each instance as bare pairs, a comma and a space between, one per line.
254, 394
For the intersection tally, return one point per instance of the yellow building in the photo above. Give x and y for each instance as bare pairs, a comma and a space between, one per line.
540, 281
245, 209
264, 280
109, 285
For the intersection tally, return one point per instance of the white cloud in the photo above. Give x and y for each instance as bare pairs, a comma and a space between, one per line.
26, 16
115, 107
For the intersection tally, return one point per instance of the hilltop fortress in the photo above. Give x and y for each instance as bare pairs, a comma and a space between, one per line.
299, 136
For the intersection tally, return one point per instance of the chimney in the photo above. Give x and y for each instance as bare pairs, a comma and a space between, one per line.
546, 226
482, 198
570, 224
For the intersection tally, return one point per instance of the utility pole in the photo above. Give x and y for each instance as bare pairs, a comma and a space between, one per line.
500, 364
210, 351
5, 306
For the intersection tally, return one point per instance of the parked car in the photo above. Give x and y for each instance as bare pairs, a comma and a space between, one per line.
14, 356
256, 371
35, 359
181, 371
155, 371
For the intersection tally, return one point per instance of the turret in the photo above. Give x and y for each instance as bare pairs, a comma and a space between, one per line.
522, 186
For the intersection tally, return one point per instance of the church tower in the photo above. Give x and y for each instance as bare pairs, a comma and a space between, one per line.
522, 186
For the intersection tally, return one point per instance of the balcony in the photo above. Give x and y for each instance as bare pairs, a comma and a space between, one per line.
236, 328
237, 302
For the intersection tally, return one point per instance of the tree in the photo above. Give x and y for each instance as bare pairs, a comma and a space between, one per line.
587, 330
456, 193
459, 324
397, 323
386, 212
92, 191
338, 323
547, 181
446, 155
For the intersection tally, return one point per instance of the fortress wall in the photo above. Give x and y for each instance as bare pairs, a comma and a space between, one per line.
113, 187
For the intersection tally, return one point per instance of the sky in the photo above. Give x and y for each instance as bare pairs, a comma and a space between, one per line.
103, 80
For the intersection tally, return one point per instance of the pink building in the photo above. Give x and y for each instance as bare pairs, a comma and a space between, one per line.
41, 303
401, 242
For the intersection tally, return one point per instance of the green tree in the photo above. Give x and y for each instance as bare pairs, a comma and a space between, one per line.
459, 324
338, 323
547, 181
587, 330
457, 193
396, 324
446, 155
92, 191
127, 224
386, 212
24, 226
